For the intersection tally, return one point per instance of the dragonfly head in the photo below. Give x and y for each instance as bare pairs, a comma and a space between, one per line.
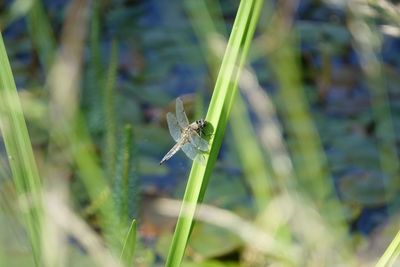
201, 123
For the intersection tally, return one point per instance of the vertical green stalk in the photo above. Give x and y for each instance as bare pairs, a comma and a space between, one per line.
123, 175
368, 44
95, 183
20, 153
308, 155
250, 154
391, 254
125, 178
70, 138
94, 77
218, 113
128, 249
41, 34
109, 113
255, 169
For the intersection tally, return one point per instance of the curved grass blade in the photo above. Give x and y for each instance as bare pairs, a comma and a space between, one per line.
248, 148
125, 168
42, 34
109, 113
250, 155
128, 249
20, 154
391, 253
217, 116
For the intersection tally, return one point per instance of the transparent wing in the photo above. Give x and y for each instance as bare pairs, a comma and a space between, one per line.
199, 142
190, 150
180, 114
200, 158
173, 126
193, 153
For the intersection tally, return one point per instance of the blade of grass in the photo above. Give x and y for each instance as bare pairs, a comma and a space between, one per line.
250, 233
41, 34
269, 130
250, 154
252, 164
309, 160
20, 153
91, 95
218, 113
121, 184
368, 45
15, 11
128, 249
109, 113
70, 139
96, 184
308, 155
391, 253
206, 30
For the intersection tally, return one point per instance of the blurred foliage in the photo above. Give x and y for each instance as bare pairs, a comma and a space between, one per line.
140, 55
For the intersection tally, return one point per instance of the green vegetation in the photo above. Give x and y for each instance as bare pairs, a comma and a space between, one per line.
288, 171
20, 155
218, 113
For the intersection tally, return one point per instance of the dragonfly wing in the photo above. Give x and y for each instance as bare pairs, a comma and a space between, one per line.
190, 151
200, 158
199, 142
193, 153
173, 126
180, 114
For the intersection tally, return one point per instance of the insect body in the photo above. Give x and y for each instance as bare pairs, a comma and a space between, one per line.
187, 136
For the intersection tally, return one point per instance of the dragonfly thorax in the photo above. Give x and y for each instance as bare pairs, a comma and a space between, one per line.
199, 125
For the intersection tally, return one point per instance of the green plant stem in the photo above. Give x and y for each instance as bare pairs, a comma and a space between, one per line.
128, 249
391, 253
20, 153
218, 113
109, 112
42, 35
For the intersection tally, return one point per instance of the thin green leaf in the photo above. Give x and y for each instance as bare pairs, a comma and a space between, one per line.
391, 253
128, 249
42, 35
217, 116
250, 154
121, 185
91, 96
95, 183
20, 153
109, 112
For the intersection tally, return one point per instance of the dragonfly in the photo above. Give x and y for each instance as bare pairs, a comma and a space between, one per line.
187, 136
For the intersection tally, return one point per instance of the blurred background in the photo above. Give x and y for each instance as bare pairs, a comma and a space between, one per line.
313, 133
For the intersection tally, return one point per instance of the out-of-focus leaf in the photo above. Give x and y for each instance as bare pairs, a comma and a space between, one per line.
128, 249
364, 187
209, 241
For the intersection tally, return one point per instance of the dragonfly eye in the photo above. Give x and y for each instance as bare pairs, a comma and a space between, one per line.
201, 123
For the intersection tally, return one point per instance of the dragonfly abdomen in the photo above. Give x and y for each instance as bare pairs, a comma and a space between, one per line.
173, 150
